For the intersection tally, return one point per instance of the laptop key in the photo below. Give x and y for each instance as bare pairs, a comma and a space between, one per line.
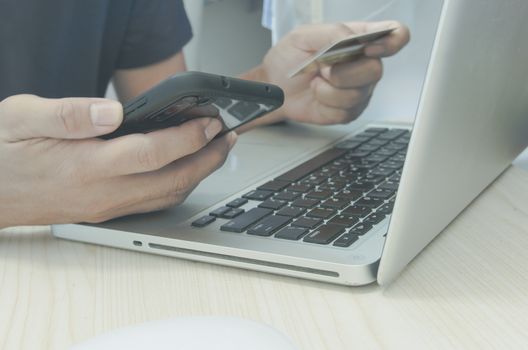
360, 229
349, 195
258, 195
302, 188
357, 210
381, 193
344, 220
391, 134
219, 211
272, 204
386, 152
376, 130
305, 203
384, 172
346, 240
374, 178
374, 218
369, 202
396, 146
318, 194
291, 212
311, 165
203, 221
368, 147
268, 225
348, 144
321, 213
314, 180
392, 164
287, 196
385, 209
232, 213
377, 142
333, 186
395, 178
292, 233
376, 158
357, 154
242, 222
307, 222
274, 186
361, 186
236, 203
335, 203
324, 234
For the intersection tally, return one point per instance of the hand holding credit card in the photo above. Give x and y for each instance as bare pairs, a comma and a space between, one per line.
344, 50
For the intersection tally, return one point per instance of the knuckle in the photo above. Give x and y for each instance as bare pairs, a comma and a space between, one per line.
147, 156
376, 67
77, 174
68, 117
354, 97
342, 28
220, 156
10, 104
195, 136
333, 116
183, 182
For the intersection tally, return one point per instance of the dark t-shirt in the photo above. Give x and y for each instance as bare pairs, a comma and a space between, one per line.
59, 48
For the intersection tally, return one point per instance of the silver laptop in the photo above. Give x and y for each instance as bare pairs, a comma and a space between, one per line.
355, 207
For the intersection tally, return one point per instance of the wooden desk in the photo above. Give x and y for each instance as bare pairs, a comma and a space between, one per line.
468, 289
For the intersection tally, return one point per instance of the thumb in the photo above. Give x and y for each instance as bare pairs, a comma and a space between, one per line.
29, 116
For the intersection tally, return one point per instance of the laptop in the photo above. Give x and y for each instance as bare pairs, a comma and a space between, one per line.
355, 205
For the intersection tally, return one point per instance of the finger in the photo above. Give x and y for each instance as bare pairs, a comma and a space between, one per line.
314, 37
155, 190
179, 178
139, 153
390, 44
331, 96
365, 71
28, 116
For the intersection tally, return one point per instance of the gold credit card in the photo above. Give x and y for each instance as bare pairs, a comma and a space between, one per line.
343, 50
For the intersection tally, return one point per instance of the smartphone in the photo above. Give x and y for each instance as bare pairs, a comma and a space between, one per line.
192, 95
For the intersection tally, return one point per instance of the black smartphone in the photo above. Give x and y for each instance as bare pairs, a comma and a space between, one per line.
191, 95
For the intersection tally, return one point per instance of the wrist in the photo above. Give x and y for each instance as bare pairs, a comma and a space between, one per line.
257, 73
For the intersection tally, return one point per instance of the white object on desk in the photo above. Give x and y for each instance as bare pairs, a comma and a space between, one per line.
196, 333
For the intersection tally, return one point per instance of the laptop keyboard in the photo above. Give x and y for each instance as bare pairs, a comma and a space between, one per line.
332, 199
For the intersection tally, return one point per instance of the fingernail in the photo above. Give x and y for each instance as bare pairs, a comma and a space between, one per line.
106, 113
231, 139
212, 129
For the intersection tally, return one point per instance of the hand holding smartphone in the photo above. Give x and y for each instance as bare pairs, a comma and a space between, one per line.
191, 95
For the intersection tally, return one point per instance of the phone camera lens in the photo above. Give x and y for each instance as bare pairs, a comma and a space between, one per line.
225, 82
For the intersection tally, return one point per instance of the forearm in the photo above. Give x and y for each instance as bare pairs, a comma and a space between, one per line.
130, 83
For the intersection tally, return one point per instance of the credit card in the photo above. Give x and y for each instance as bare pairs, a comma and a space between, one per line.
344, 50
